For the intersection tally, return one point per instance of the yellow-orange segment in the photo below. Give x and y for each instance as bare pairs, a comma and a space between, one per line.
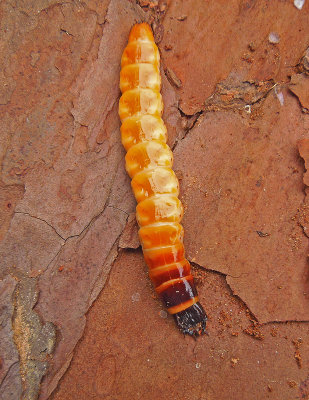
163, 208
140, 52
143, 75
142, 128
148, 155
161, 235
140, 102
150, 182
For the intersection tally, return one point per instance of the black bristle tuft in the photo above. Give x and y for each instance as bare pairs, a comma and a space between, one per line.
192, 320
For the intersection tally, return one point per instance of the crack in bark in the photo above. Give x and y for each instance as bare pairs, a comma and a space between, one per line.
119, 209
93, 219
109, 259
303, 228
214, 103
301, 213
106, 205
43, 220
198, 266
191, 122
214, 271
55, 256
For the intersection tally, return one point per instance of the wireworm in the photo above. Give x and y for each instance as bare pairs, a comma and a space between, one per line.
149, 164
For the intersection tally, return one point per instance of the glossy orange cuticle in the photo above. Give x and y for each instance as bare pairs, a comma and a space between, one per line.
149, 163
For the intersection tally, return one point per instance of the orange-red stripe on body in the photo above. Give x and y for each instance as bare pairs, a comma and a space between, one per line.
159, 256
168, 272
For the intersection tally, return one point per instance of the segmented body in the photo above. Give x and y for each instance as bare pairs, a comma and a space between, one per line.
149, 163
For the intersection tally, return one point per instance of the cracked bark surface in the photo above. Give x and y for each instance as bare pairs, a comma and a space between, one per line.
236, 109
249, 193
129, 353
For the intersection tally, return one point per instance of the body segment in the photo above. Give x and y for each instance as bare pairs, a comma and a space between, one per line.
155, 186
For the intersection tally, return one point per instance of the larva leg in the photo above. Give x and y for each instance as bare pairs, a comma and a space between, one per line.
149, 163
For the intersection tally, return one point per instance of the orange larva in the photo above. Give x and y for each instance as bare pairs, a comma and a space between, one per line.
149, 163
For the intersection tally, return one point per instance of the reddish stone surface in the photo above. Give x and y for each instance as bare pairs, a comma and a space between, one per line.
205, 42
129, 237
66, 206
241, 219
300, 86
130, 349
71, 284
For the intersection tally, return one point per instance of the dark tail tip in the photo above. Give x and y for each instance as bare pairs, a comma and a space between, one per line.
192, 320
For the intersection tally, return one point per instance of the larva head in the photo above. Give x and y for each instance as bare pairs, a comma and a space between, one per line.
141, 32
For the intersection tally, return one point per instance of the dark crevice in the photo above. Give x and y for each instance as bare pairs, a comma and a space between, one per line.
191, 121
214, 103
66, 32
230, 95
154, 15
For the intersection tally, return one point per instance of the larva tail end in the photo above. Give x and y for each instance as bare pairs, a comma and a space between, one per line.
192, 320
